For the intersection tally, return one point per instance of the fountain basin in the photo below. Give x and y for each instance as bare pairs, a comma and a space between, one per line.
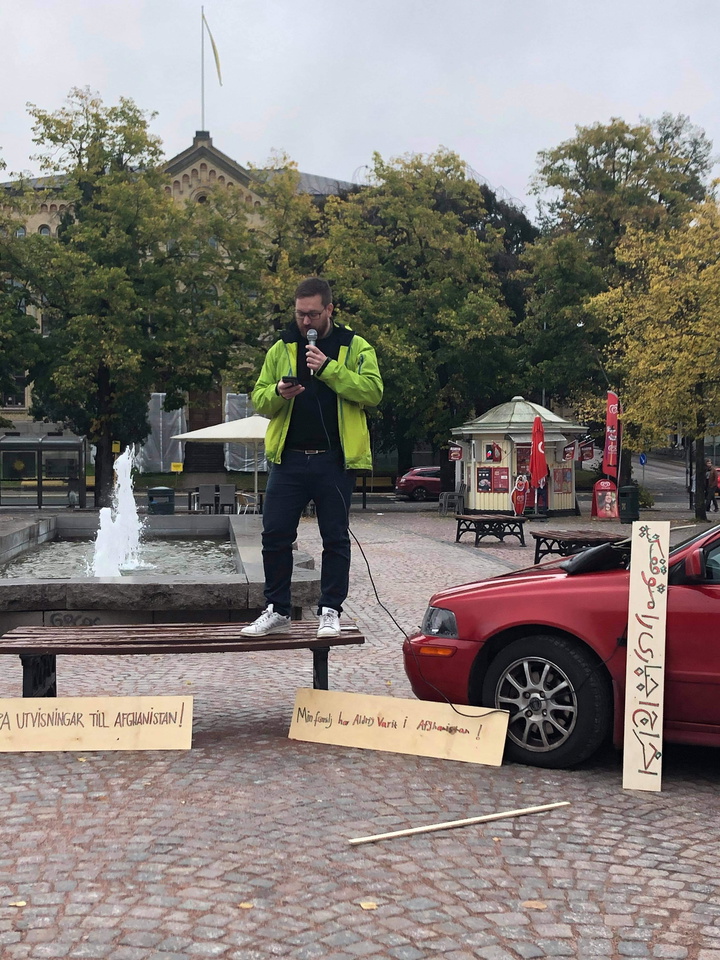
146, 598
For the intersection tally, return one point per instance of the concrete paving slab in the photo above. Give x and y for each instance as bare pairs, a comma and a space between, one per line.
238, 849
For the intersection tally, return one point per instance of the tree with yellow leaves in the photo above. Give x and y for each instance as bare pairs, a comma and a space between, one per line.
665, 320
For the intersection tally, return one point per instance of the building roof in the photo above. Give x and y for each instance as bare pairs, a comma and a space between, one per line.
323, 186
202, 149
516, 418
52, 182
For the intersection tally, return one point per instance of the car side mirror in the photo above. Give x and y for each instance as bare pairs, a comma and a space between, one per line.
695, 565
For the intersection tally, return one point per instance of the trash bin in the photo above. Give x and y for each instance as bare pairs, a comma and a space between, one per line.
161, 500
629, 503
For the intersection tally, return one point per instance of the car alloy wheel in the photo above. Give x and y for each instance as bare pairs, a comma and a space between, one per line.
419, 493
558, 697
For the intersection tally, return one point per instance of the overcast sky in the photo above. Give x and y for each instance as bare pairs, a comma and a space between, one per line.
330, 82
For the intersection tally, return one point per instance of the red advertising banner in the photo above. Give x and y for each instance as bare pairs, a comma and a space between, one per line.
604, 501
611, 452
455, 452
569, 451
522, 456
587, 450
500, 479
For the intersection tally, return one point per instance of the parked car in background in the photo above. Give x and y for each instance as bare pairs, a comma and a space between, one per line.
420, 483
548, 644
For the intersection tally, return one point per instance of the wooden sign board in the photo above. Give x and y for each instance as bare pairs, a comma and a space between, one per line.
35, 724
645, 668
417, 727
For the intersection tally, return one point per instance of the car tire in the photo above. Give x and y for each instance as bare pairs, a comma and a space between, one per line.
419, 494
559, 698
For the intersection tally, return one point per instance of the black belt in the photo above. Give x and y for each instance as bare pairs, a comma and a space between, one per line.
298, 450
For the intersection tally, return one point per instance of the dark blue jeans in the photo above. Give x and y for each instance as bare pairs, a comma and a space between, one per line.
292, 484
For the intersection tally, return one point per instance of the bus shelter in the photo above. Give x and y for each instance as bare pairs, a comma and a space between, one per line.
496, 454
44, 471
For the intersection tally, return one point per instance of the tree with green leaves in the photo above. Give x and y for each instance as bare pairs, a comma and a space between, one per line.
287, 231
19, 336
665, 321
414, 275
394, 286
142, 293
606, 180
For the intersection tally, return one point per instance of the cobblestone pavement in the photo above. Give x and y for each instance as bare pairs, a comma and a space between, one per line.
238, 849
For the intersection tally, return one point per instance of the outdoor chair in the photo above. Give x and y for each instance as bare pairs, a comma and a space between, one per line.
246, 503
205, 498
226, 497
454, 499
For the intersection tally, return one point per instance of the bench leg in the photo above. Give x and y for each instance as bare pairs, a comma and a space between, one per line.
39, 676
320, 668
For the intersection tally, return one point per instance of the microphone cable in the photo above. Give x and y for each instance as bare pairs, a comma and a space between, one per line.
488, 711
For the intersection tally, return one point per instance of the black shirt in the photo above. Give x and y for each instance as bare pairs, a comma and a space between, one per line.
314, 423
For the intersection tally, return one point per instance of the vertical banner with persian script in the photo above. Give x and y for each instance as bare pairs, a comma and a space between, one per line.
645, 669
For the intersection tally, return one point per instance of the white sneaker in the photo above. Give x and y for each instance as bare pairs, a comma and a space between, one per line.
268, 622
329, 623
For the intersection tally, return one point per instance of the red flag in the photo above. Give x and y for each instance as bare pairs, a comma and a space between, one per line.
611, 452
538, 463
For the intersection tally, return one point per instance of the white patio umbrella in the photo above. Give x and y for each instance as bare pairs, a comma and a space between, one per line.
247, 430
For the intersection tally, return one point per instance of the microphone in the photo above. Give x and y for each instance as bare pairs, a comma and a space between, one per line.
312, 340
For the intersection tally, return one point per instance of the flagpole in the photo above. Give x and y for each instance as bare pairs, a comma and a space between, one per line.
202, 68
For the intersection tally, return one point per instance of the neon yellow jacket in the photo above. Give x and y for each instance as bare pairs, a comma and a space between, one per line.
354, 377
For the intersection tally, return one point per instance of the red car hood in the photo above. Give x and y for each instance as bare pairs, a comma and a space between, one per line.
516, 580
589, 605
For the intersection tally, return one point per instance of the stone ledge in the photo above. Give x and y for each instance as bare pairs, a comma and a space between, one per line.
150, 599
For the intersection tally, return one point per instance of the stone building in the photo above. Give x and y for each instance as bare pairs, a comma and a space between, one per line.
191, 175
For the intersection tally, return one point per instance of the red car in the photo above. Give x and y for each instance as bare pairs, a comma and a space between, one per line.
420, 483
548, 644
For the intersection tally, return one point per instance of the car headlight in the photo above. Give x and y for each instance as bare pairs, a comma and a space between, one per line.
439, 623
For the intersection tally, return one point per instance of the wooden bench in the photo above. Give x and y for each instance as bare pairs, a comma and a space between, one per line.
38, 647
490, 525
568, 542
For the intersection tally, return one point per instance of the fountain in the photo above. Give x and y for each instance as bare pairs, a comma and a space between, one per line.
117, 545
142, 595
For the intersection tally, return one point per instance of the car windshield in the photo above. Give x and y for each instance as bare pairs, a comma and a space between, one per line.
611, 556
690, 538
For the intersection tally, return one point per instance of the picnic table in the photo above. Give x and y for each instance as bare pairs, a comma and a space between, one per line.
568, 542
490, 525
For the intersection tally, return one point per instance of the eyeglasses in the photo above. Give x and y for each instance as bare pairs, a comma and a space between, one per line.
310, 314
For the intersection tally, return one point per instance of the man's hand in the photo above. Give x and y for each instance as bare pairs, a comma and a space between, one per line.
315, 357
287, 392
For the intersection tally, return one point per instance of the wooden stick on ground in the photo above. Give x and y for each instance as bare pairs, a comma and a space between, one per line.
451, 824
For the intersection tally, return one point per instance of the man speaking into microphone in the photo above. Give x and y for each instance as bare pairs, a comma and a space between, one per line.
315, 384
